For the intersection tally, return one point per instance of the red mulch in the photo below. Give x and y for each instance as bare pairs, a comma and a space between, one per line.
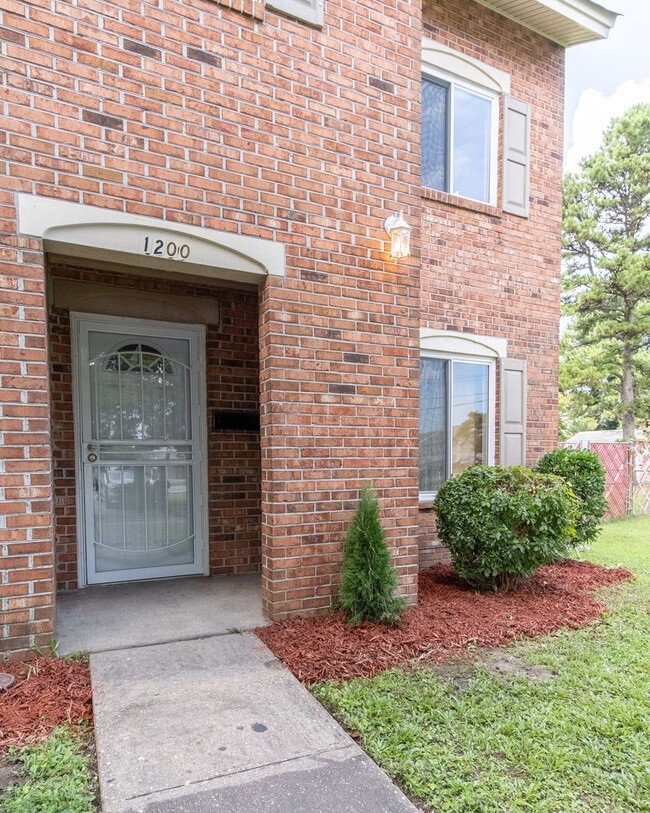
449, 619
48, 692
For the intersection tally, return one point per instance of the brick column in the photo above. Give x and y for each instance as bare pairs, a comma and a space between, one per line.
27, 587
339, 409
339, 334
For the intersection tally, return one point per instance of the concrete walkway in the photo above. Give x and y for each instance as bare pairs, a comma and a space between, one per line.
117, 616
219, 725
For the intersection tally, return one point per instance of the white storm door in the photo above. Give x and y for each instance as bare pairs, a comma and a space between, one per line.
139, 395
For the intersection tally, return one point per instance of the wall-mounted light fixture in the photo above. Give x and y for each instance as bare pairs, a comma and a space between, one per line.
400, 236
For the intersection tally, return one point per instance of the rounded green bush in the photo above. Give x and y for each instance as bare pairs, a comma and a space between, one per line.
501, 524
584, 473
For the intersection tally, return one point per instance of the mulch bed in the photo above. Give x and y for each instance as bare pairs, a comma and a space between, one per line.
449, 619
48, 692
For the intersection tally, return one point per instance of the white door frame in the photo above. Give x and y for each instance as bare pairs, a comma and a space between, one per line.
82, 323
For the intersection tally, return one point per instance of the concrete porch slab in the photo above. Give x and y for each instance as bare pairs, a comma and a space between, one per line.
119, 616
219, 724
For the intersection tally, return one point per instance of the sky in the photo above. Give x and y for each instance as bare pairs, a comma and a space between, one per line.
604, 78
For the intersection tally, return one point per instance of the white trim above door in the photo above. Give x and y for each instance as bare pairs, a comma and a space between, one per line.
140, 425
96, 233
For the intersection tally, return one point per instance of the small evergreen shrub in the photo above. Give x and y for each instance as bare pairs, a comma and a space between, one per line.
584, 473
501, 524
368, 579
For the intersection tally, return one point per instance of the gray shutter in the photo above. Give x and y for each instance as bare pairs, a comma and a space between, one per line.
516, 157
308, 11
513, 412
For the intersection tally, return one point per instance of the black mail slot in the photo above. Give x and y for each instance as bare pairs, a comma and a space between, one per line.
236, 419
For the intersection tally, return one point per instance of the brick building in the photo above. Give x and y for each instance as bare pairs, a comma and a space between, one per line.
207, 347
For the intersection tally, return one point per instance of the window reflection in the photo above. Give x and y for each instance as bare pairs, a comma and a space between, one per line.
433, 424
469, 415
454, 419
139, 394
434, 134
472, 125
464, 165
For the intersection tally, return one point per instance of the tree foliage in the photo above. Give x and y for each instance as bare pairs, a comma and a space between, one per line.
590, 385
607, 276
368, 579
585, 475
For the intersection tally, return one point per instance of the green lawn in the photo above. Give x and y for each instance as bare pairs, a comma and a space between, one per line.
54, 777
578, 742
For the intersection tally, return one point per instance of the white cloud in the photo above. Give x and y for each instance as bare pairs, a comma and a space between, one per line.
594, 112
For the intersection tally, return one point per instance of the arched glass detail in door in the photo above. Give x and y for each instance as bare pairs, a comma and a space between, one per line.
138, 393
139, 456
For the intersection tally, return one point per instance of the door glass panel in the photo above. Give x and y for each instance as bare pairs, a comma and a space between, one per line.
180, 520
138, 393
156, 507
143, 516
139, 397
131, 385
129, 452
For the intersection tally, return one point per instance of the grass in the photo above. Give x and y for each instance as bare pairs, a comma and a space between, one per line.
55, 777
577, 743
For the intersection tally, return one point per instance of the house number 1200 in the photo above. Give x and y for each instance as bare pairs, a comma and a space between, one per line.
166, 248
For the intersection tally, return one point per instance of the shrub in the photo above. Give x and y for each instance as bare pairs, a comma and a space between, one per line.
585, 474
501, 524
368, 579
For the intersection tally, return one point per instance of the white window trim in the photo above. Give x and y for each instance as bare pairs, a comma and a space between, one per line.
440, 58
463, 344
305, 11
490, 363
455, 69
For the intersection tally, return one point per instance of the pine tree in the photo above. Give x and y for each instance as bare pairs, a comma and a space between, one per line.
368, 579
607, 261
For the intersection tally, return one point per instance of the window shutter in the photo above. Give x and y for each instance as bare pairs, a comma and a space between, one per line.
307, 11
513, 412
516, 157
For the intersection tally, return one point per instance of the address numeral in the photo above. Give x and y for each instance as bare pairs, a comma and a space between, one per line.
166, 248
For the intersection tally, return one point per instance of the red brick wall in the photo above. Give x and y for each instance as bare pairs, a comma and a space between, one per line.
488, 272
196, 113
63, 452
27, 583
233, 457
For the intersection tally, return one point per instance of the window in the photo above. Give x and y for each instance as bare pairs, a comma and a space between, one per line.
456, 417
307, 11
460, 113
459, 126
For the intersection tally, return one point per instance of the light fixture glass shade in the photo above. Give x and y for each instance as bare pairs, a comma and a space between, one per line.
400, 236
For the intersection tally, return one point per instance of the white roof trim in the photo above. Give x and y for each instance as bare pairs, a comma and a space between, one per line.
451, 342
567, 22
92, 232
439, 57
